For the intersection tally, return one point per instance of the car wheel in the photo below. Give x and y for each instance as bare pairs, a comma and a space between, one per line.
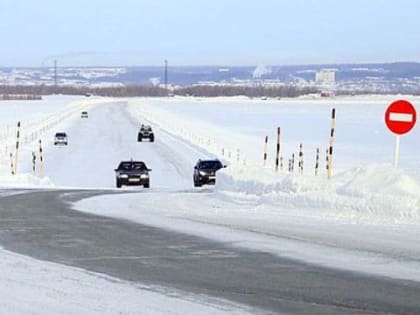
197, 184
118, 184
139, 139
146, 185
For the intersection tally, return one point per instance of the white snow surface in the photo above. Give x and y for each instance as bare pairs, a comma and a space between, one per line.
365, 218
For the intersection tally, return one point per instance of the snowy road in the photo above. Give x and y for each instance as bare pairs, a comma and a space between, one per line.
41, 225
201, 241
108, 136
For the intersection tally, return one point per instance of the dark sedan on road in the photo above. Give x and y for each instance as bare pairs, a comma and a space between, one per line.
132, 173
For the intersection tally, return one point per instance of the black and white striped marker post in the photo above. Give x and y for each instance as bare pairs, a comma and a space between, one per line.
265, 151
326, 160
290, 165
278, 149
293, 162
330, 149
41, 160
33, 162
301, 158
12, 168
316, 161
17, 147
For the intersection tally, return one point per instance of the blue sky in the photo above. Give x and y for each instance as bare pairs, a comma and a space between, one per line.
223, 32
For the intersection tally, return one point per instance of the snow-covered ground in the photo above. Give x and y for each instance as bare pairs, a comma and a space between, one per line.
365, 218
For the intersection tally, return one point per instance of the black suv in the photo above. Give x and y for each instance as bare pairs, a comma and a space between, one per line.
205, 172
132, 173
145, 132
60, 138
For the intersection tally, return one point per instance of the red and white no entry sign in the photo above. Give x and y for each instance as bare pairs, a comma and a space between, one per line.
400, 117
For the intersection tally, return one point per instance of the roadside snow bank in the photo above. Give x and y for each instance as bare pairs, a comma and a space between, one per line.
376, 189
25, 180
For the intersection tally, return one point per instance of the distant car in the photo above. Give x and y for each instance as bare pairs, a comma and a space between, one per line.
60, 138
132, 173
205, 172
145, 132
84, 115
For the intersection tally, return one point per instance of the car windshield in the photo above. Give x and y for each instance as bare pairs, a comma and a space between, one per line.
140, 166
210, 165
60, 134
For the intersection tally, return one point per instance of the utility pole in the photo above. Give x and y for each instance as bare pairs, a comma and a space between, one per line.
55, 77
166, 76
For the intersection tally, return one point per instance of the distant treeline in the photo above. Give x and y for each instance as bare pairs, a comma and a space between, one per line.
21, 97
143, 90
250, 91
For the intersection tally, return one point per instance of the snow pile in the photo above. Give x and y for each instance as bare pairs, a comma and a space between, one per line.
378, 190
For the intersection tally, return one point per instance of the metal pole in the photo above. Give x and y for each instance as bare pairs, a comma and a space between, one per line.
397, 151
55, 77
166, 76
317, 162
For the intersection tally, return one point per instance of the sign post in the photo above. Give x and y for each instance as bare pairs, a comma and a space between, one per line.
400, 118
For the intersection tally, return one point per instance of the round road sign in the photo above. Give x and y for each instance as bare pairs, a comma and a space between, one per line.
400, 117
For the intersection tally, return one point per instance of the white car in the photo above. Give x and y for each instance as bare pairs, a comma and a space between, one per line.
60, 138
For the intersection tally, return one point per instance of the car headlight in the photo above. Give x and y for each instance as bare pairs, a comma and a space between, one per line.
144, 176
123, 176
203, 173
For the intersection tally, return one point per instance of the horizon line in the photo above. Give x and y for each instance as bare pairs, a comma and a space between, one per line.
215, 65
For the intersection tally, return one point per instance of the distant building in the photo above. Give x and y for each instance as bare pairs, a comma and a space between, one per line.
325, 77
